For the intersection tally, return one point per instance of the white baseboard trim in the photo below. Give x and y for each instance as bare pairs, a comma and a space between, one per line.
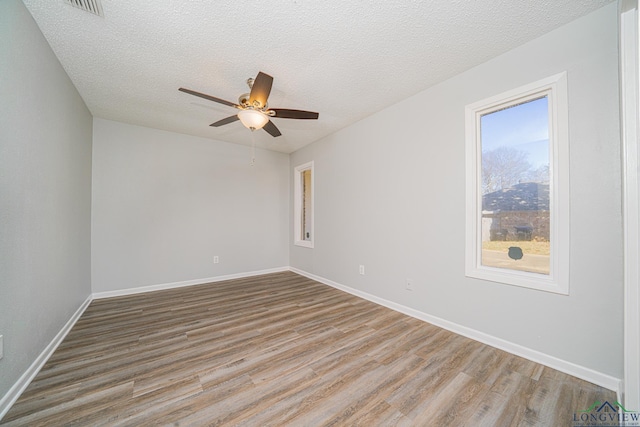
163, 286
578, 371
16, 390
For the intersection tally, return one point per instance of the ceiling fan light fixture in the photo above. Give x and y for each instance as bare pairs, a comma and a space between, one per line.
253, 119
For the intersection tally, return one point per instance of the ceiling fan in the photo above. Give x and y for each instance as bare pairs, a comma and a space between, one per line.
254, 111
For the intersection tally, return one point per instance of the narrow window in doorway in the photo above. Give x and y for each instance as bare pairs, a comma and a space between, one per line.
303, 205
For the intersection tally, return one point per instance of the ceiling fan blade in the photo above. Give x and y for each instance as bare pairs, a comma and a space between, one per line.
283, 113
261, 89
209, 97
272, 129
226, 121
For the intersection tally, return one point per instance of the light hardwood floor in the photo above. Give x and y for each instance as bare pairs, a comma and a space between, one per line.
283, 350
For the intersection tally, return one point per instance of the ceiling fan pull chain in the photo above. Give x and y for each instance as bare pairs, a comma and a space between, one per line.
253, 149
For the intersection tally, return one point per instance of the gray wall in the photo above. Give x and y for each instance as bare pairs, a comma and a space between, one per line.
390, 194
45, 194
164, 204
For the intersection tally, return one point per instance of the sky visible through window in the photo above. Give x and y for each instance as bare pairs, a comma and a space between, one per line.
524, 127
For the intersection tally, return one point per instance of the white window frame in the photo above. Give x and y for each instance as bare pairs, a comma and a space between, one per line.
555, 87
298, 201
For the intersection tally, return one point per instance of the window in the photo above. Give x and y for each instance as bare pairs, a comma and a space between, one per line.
303, 205
517, 187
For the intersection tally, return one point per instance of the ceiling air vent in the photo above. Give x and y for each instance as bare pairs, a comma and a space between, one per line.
91, 6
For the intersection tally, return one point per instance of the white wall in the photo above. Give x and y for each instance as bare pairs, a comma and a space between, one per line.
390, 194
164, 204
45, 194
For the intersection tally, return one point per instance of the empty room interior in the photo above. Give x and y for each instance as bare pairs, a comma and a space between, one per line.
319, 213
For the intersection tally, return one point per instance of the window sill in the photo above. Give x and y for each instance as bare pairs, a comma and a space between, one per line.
304, 243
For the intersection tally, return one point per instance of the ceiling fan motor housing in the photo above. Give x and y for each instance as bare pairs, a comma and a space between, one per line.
243, 100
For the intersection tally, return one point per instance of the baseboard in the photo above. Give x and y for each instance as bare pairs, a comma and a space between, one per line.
578, 371
173, 285
16, 390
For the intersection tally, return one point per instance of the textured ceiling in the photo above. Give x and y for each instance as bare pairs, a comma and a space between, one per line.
344, 59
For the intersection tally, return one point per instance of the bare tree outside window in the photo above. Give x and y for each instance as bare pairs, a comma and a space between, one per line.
503, 167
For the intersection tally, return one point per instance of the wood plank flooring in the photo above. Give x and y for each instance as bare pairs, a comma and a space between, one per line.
283, 350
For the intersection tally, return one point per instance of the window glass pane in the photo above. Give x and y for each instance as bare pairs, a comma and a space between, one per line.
515, 225
307, 209
303, 205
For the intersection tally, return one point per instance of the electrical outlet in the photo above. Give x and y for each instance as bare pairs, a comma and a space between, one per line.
1, 352
409, 285
216, 259
362, 270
